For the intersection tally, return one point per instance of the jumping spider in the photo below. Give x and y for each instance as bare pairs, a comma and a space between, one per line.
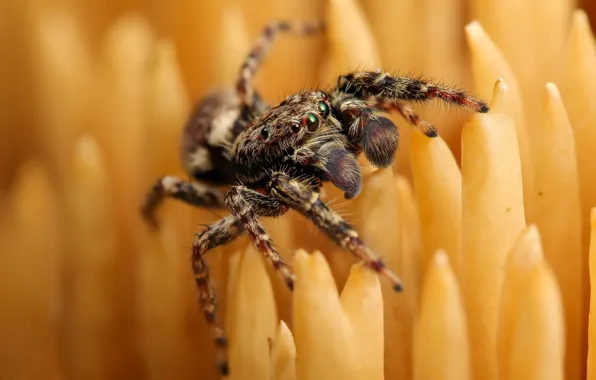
277, 158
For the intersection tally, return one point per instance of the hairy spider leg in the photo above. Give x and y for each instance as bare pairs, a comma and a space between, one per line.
306, 201
195, 194
245, 204
383, 86
408, 113
222, 232
260, 49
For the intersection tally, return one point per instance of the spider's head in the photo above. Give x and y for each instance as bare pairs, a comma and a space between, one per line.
301, 131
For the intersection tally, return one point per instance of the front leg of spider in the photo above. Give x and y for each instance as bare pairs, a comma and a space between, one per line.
306, 201
245, 205
383, 86
360, 96
408, 113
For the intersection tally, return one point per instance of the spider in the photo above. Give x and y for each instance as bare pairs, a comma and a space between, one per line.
277, 158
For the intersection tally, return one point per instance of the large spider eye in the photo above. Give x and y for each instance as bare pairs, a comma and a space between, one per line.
324, 108
295, 128
265, 132
312, 122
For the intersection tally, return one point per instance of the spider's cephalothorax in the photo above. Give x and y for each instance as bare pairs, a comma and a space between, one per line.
276, 159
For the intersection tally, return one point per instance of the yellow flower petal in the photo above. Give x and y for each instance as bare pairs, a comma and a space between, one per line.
282, 355
558, 216
347, 28
233, 47
89, 304
576, 75
441, 348
437, 179
30, 277
336, 339
251, 318
538, 336
64, 68
592, 326
489, 64
362, 302
525, 255
493, 216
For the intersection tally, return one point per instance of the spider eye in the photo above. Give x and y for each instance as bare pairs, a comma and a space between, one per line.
324, 108
312, 122
295, 127
265, 132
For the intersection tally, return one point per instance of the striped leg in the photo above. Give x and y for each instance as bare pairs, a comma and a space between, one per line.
222, 232
245, 204
408, 113
239, 199
306, 201
260, 49
386, 87
192, 193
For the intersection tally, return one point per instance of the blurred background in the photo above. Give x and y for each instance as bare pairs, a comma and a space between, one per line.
93, 96
410, 35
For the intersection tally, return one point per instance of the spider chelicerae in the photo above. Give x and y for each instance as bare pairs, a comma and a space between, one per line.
276, 158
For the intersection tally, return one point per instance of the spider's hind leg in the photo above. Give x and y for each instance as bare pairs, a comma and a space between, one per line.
222, 232
260, 49
306, 201
195, 194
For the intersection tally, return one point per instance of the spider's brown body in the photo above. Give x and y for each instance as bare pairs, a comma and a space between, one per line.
214, 124
276, 158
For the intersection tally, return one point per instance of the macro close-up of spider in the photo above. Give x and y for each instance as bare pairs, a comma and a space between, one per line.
298, 190
277, 158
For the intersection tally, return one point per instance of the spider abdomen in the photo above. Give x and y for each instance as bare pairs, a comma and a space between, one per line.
207, 131
210, 131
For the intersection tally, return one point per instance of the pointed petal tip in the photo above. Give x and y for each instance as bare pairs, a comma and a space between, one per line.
441, 259
283, 327
86, 150
580, 18
553, 91
473, 27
